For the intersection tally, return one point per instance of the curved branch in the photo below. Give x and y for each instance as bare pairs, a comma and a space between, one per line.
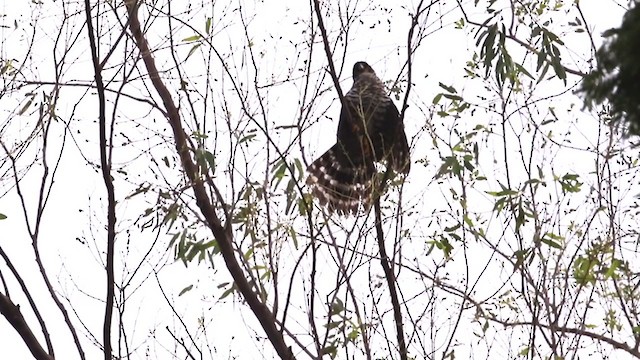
632, 350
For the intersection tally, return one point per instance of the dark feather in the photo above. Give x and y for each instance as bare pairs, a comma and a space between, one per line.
370, 130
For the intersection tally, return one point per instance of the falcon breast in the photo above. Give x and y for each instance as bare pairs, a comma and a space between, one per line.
370, 130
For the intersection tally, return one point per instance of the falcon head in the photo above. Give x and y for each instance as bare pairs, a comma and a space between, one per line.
361, 67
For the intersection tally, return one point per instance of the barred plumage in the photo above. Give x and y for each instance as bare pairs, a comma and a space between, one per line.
370, 130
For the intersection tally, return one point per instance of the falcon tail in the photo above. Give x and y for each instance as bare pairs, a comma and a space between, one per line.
338, 183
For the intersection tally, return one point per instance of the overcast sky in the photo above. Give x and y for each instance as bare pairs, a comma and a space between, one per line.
67, 242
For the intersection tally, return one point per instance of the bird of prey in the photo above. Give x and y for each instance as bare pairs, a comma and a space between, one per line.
370, 130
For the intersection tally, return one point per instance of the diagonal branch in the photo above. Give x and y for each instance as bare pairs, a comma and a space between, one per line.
327, 50
12, 313
221, 233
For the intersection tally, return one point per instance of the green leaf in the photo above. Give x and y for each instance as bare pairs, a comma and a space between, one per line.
520, 219
559, 69
542, 56
248, 254
192, 50
611, 271
488, 53
337, 307
26, 106
227, 292
291, 195
583, 270
333, 324
521, 256
246, 138
450, 89
504, 192
570, 183
543, 73
330, 350
453, 97
298, 164
186, 289
207, 26
453, 228
551, 240
192, 38
294, 236
447, 166
443, 244
353, 334
2, 216
279, 170
536, 31
522, 70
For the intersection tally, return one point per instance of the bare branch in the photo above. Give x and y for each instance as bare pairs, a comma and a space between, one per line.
391, 280
327, 50
12, 313
105, 165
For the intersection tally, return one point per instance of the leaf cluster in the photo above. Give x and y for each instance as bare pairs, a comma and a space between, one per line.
616, 80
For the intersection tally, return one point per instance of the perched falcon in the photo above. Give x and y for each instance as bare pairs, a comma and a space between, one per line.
370, 130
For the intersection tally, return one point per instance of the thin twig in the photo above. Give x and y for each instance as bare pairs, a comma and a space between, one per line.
180, 319
391, 281
327, 50
581, 332
181, 342
105, 165
33, 233
410, 52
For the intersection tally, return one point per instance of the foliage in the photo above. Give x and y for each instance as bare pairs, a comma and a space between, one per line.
616, 79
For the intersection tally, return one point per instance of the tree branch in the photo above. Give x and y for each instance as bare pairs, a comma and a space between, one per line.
327, 50
515, 39
12, 313
221, 233
616, 344
391, 280
105, 165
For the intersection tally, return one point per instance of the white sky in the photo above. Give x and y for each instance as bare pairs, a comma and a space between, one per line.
77, 201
